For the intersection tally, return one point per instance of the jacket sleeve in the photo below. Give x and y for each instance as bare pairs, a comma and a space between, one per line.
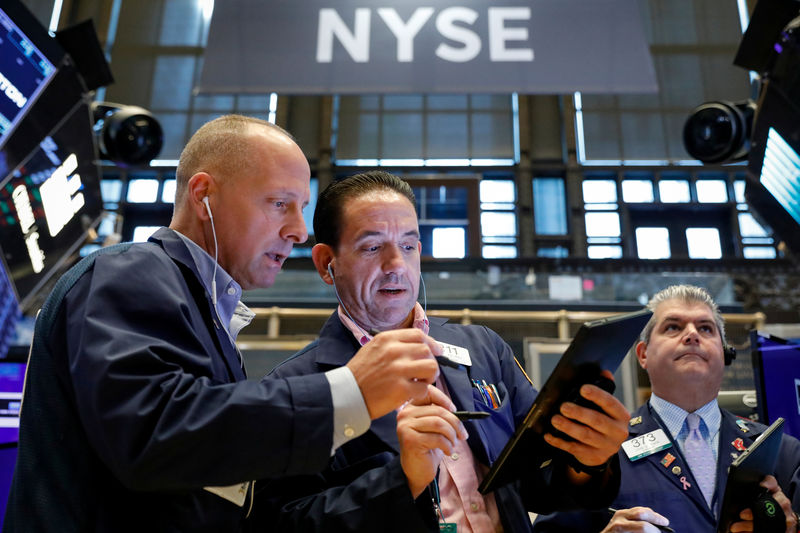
360, 497
153, 392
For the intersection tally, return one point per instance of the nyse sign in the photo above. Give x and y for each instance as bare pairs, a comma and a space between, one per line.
452, 23
362, 46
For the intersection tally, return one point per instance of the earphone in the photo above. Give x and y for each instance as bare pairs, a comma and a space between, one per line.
729, 352
214, 275
330, 271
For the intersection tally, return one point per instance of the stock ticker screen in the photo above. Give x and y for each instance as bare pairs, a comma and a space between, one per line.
24, 73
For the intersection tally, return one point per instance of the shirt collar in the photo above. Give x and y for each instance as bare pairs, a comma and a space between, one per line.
229, 292
363, 337
674, 416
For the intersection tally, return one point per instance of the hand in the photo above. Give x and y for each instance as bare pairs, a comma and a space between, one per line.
771, 484
394, 367
636, 519
598, 435
426, 429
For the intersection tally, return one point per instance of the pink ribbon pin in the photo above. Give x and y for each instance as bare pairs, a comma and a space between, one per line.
686, 484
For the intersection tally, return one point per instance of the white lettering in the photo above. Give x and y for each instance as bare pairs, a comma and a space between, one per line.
356, 43
405, 32
57, 195
12, 92
445, 24
35, 252
499, 34
24, 210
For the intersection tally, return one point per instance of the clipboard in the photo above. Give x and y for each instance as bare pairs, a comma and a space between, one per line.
746, 472
598, 345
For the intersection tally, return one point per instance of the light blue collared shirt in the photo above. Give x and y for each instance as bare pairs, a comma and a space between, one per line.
674, 418
350, 414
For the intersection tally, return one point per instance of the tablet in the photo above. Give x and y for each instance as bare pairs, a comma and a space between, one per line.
598, 345
746, 472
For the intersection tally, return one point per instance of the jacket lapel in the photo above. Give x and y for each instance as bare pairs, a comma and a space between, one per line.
176, 249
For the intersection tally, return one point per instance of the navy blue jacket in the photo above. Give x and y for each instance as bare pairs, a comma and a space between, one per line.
364, 488
135, 400
649, 483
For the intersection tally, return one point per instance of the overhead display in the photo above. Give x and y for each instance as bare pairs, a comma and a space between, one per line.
436, 46
24, 73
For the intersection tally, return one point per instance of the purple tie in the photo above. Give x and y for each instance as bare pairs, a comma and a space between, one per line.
700, 458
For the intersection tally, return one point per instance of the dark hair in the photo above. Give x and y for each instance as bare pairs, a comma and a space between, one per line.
330, 203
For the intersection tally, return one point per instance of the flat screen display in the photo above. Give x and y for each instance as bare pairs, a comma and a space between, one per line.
24, 72
49, 202
12, 378
777, 373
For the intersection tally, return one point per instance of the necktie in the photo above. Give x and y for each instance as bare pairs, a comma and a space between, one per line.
700, 458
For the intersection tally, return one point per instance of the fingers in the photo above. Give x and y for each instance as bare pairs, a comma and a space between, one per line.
598, 435
434, 417
636, 519
771, 484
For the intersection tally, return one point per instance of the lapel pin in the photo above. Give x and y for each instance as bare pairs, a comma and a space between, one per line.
739, 444
667, 460
676, 470
742, 425
635, 421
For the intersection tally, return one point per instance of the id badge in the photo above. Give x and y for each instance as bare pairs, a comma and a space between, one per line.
447, 527
646, 444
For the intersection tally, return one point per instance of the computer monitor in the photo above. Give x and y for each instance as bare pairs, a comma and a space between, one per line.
28, 61
776, 365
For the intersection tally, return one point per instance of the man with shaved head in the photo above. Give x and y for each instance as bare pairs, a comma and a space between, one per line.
137, 415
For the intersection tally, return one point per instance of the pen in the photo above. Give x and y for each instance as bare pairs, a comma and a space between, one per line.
469, 415
666, 529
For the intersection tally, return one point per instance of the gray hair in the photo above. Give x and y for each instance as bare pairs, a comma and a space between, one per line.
687, 294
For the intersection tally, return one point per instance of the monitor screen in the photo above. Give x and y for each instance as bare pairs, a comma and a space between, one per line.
49, 202
773, 185
25, 69
12, 378
777, 372
9, 312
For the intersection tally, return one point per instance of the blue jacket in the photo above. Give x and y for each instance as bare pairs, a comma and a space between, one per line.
364, 488
135, 400
649, 483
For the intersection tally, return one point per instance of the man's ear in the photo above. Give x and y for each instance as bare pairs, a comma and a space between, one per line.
641, 354
322, 256
199, 186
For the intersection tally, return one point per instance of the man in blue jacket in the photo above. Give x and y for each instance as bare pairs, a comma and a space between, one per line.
136, 413
682, 350
419, 469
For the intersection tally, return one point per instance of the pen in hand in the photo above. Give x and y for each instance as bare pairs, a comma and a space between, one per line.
470, 415
666, 529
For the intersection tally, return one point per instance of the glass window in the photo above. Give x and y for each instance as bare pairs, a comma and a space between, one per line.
738, 191
449, 243
142, 191
498, 192
674, 191
711, 191
749, 226
168, 191
604, 252
602, 224
549, 206
599, 191
111, 190
652, 243
637, 191
554, 251
759, 252
498, 224
142, 233
494, 251
703, 243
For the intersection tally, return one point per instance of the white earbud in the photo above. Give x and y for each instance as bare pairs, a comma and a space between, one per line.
330, 271
208, 207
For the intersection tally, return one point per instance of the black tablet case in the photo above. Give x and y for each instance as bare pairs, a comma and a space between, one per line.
599, 344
